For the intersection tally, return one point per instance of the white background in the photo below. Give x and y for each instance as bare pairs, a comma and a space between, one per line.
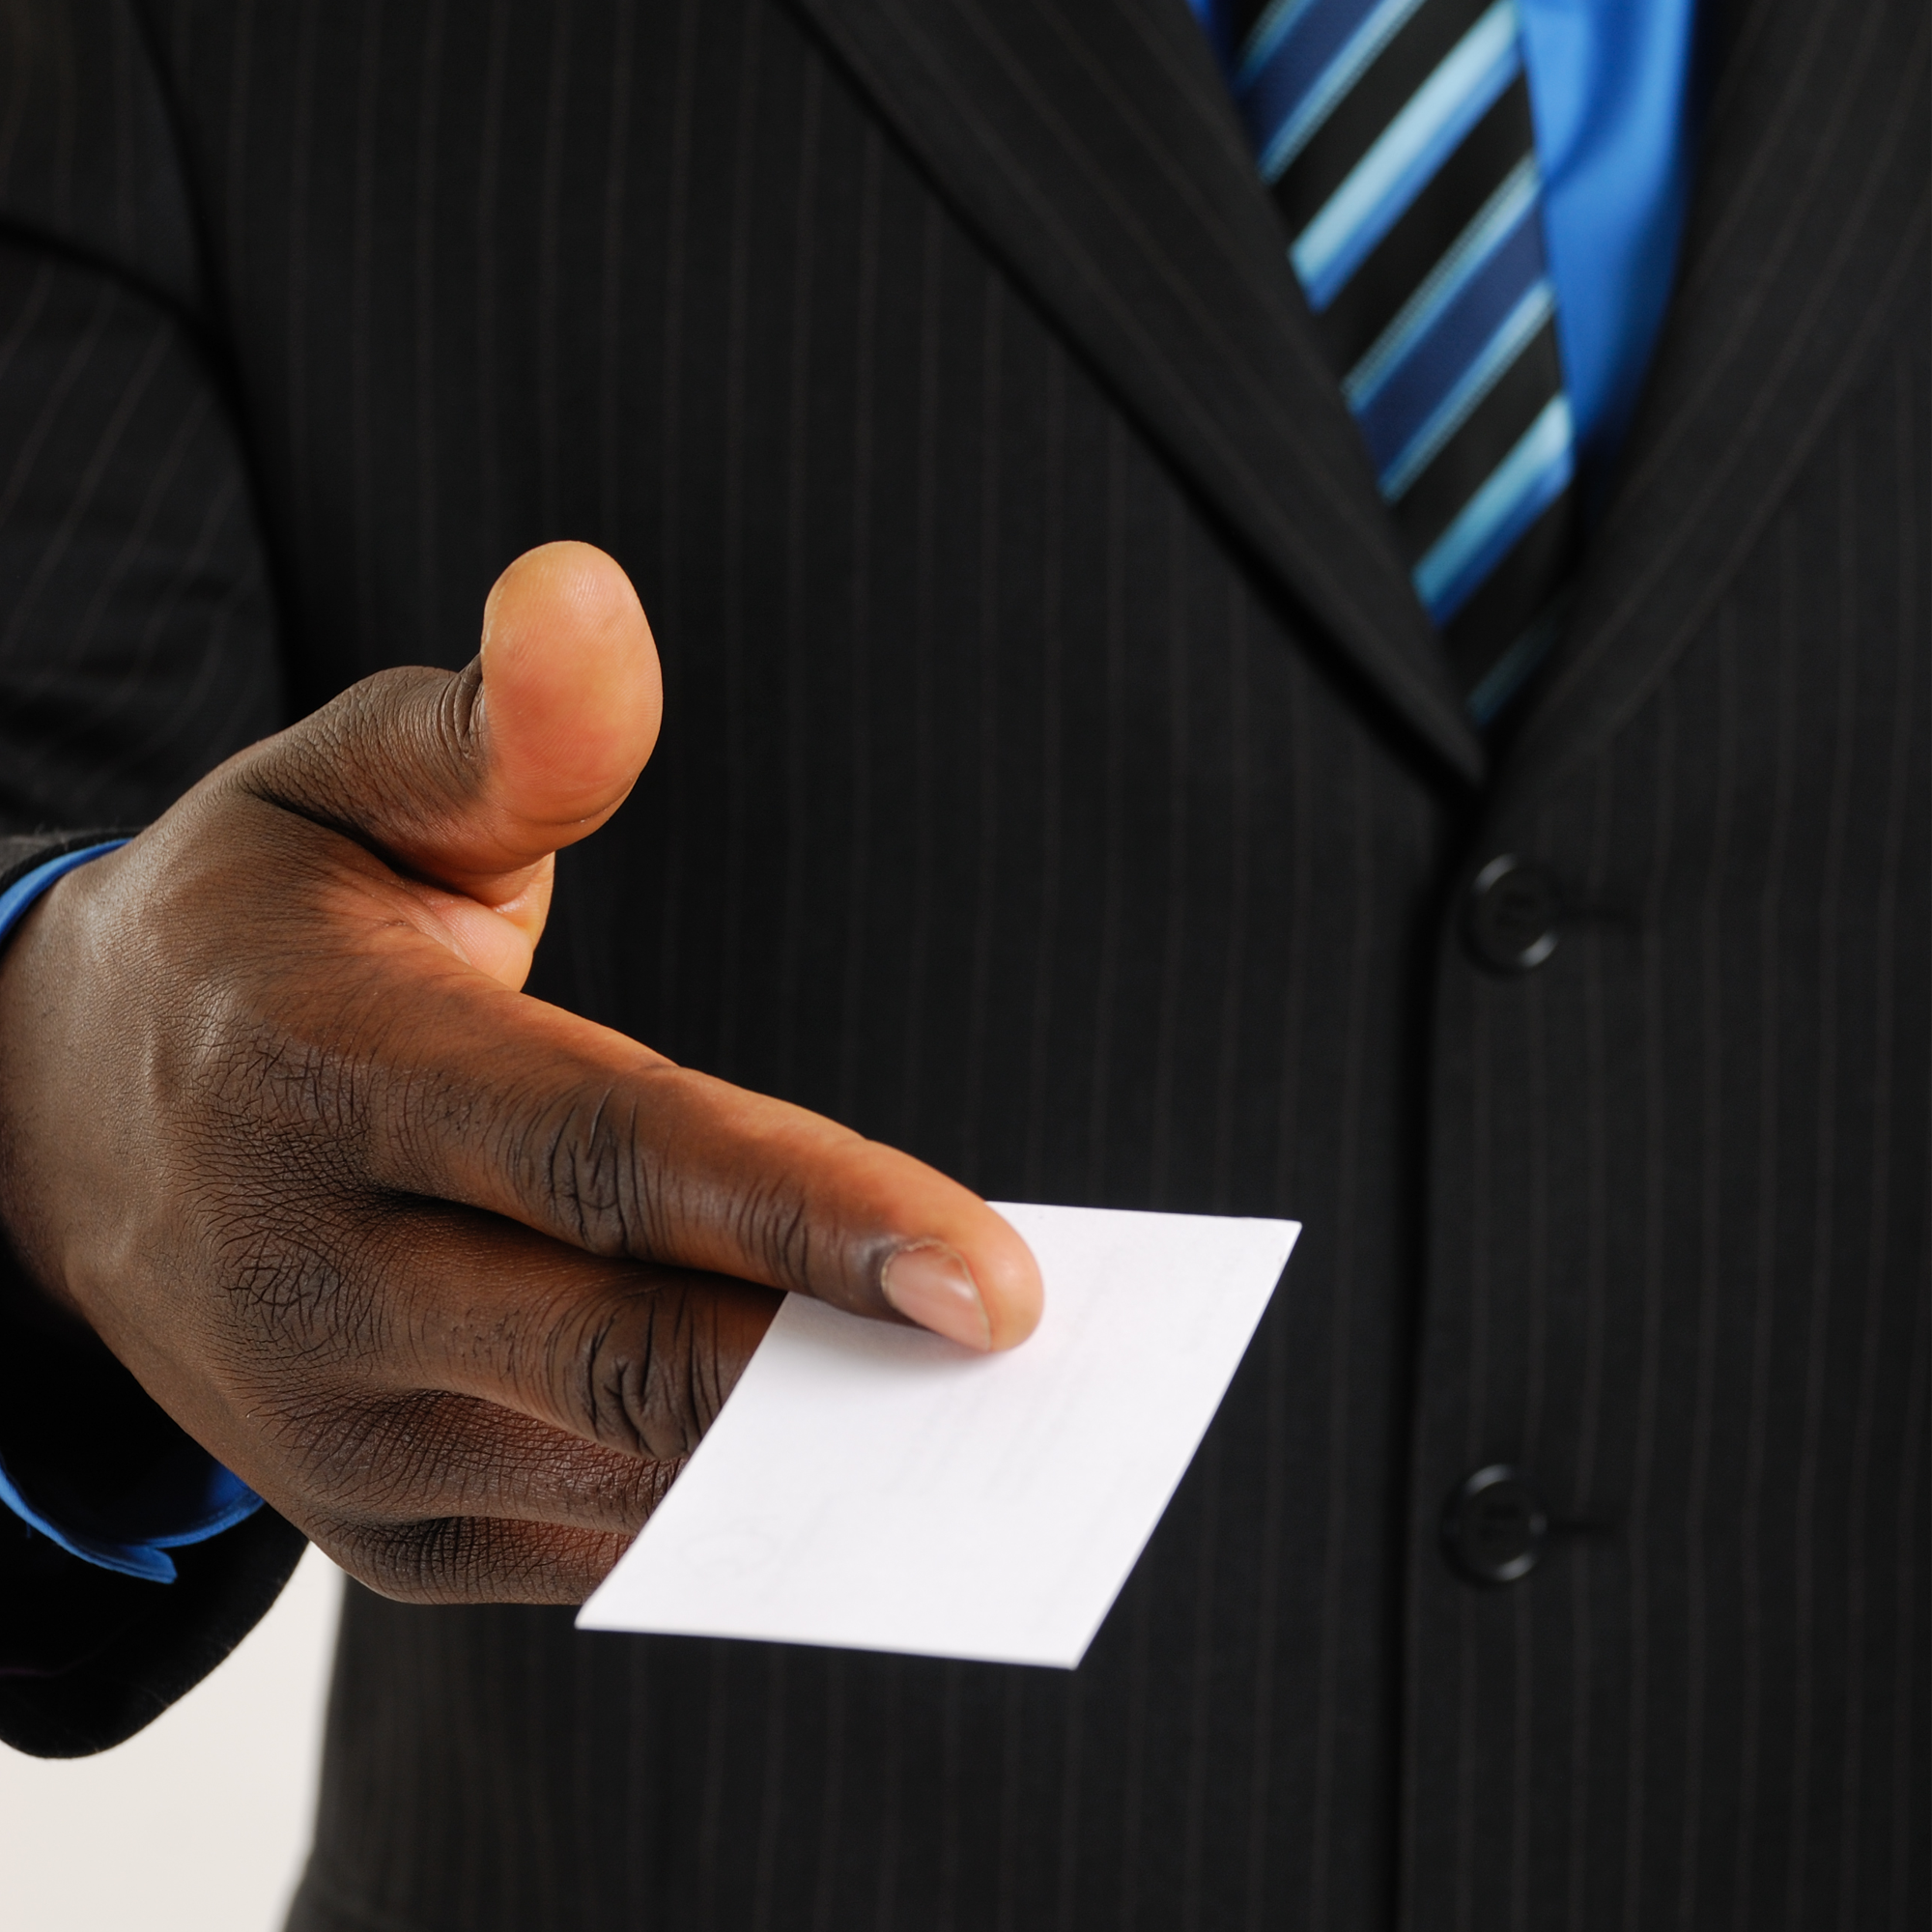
199, 1823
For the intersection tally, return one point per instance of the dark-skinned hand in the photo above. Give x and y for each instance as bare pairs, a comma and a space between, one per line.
450, 1276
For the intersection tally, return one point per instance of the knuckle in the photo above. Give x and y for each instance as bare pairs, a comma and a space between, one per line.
646, 1383
578, 1155
442, 1559
275, 1063
380, 760
460, 1559
424, 1562
280, 1259
773, 1221
395, 1457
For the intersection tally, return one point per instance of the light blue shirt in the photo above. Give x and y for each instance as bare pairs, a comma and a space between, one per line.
1610, 89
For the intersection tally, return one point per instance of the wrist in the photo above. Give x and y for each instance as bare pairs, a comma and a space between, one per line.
30, 863
88, 1460
31, 869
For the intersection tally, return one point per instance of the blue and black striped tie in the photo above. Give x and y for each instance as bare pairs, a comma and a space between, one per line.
1394, 136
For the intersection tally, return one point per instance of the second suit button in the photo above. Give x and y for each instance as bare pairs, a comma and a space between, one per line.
1513, 914
1495, 1524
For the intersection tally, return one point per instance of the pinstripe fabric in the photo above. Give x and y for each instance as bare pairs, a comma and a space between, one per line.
1019, 802
1681, 1274
88, 162
136, 652
1095, 145
973, 747
135, 628
1828, 232
136, 638
927, 674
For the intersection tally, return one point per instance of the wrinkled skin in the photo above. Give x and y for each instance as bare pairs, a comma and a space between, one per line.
439, 1270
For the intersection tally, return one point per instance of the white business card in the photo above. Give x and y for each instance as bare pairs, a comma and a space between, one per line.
874, 1488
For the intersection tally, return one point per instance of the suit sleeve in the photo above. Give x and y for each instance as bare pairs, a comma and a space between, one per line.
138, 647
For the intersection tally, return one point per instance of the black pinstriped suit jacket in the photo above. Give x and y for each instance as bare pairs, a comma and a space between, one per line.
1060, 780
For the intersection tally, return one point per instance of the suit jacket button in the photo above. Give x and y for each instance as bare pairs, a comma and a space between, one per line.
1495, 1526
1513, 914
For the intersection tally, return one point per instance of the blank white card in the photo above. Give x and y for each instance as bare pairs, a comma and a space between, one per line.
876, 1488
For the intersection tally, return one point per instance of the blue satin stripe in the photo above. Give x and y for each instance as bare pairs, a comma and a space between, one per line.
1459, 336
1504, 679
1519, 489
1610, 84
1414, 145
1453, 407
1286, 106
1495, 223
1264, 37
1582, 198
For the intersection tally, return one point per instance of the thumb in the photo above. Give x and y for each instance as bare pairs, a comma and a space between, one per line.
568, 702
471, 781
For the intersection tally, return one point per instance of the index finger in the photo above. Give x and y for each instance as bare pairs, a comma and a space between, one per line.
492, 1098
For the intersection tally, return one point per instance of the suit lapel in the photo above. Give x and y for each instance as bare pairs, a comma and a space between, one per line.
1807, 223
1093, 144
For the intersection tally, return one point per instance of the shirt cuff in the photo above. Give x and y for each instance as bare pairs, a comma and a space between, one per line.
189, 1496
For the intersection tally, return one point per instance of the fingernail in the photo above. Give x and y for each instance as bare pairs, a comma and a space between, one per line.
931, 1285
